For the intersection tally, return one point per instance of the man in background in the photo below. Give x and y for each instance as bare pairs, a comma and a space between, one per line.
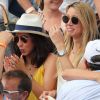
16, 85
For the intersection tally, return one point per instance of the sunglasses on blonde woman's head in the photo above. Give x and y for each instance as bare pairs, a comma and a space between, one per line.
73, 19
23, 38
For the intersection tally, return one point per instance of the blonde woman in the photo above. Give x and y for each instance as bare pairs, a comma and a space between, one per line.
81, 27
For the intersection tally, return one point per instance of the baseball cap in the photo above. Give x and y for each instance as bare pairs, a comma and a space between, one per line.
92, 49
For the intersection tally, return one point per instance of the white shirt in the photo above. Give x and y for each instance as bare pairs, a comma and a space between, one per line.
79, 90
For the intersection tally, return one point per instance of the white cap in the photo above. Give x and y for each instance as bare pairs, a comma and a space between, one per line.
92, 49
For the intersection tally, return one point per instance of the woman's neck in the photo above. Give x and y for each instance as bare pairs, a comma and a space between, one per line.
77, 44
28, 60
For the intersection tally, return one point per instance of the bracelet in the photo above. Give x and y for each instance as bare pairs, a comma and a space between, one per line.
2, 44
29, 10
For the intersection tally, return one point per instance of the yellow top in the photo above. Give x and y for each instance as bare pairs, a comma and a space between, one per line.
39, 79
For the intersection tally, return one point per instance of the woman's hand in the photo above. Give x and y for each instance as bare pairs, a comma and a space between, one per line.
14, 62
46, 94
7, 64
57, 38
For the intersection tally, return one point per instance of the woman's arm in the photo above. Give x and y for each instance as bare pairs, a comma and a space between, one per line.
5, 38
26, 5
57, 38
82, 73
2, 52
77, 74
50, 77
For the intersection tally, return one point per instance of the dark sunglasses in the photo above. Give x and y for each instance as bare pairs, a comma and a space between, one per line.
23, 38
74, 19
10, 92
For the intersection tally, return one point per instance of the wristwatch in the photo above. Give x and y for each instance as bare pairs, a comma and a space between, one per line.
61, 53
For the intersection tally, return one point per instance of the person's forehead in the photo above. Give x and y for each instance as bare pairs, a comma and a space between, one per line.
10, 84
72, 11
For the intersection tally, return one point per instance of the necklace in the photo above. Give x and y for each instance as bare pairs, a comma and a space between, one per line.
31, 69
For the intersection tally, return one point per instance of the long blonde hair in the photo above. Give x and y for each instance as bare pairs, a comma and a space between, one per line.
90, 29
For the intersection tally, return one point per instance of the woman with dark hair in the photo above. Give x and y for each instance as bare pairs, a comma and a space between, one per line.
36, 57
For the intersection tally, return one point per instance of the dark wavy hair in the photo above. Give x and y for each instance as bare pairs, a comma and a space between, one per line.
43, 46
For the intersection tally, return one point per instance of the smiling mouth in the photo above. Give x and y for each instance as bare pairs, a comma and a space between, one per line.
69, 30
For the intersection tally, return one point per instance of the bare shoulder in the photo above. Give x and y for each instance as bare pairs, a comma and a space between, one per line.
51, 60
51, 57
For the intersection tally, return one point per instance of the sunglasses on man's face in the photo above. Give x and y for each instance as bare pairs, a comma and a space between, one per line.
23, 38
9, 94
74, 20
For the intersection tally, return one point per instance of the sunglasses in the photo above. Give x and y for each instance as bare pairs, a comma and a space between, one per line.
7, 93
74, 20
23, 38
10, 92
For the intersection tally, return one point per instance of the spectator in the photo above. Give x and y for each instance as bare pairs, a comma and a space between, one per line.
11, 18
83, 81
5, 38
16, 85
81, 27
77, 34
50, 10
7, 23
5, 4
52, 16
36, 52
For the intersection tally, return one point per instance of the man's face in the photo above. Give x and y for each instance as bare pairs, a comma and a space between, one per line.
11, 91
